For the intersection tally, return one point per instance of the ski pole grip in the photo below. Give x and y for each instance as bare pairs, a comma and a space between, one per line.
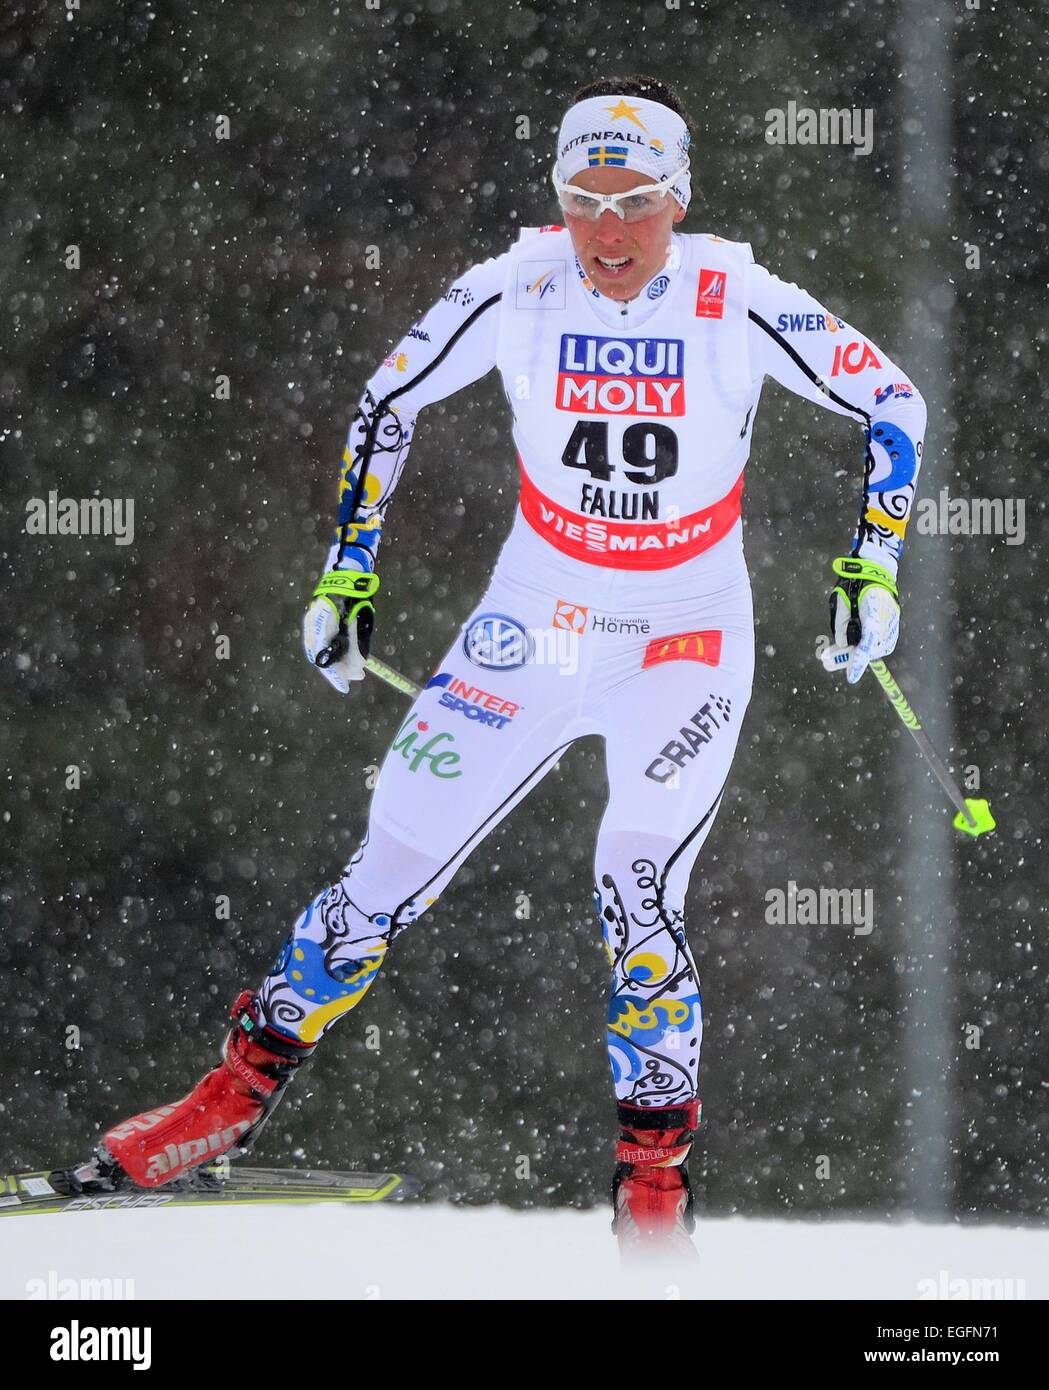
355, 589
333, 652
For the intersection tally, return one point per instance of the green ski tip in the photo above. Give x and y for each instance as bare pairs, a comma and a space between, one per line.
981, 814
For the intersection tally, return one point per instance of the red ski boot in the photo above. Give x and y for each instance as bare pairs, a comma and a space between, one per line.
225, 1111
650, 1190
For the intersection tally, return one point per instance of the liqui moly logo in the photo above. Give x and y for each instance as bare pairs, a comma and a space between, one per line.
621, 376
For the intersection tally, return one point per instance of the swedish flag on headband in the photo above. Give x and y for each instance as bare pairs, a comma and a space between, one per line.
606, 154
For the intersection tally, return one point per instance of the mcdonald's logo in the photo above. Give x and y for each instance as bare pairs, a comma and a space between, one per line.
684, 646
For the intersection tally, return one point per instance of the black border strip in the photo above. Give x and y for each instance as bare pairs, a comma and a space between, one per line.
476, 836
800, 362
368, 447
863, 528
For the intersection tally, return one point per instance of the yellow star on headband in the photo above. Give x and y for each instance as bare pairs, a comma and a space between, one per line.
624, 111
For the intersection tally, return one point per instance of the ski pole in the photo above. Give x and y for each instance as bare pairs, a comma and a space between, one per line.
336, 649
974, 815
390, 676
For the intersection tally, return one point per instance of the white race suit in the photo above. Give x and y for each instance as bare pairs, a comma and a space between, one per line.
620, 604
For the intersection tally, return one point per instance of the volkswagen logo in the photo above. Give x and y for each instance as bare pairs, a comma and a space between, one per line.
497, 642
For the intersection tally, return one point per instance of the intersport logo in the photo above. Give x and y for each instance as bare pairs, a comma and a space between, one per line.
621, 376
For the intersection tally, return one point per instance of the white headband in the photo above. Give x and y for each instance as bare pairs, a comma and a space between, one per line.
622, 132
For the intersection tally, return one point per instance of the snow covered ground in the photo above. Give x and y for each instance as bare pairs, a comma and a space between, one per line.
429, 1251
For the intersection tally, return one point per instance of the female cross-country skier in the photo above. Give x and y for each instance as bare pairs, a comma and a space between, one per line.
633, 358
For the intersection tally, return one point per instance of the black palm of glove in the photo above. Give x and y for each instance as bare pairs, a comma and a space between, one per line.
338, 625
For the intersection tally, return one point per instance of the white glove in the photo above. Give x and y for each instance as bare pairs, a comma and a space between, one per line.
865, 617
320, 628
879, 630
337, 628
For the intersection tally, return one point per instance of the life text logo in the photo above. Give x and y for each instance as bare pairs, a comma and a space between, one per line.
434, 753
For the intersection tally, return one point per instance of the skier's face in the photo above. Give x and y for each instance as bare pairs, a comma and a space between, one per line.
644, 244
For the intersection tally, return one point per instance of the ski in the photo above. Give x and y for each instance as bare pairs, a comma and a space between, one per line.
47, 1192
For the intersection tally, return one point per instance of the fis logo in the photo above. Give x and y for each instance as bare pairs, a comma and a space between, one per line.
541, 285
710, 298
476, 704
546, 284
684, 646
621, 376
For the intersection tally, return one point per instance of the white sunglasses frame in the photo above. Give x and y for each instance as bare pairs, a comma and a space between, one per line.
612, 200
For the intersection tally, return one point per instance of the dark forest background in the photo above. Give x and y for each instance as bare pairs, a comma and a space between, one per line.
395, 127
